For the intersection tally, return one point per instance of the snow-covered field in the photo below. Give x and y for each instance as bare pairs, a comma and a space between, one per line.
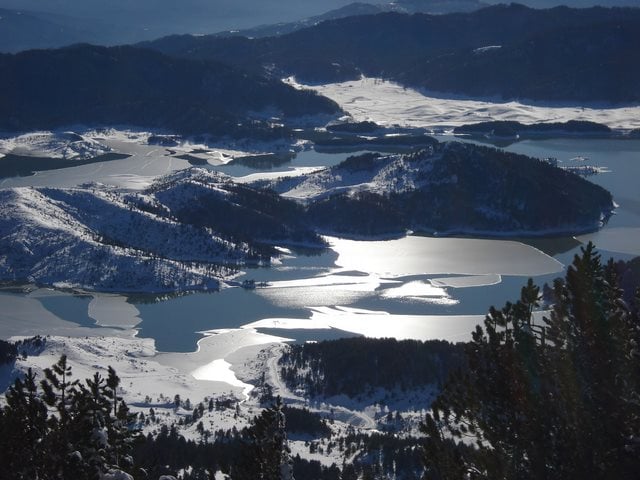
388, 103
150, 383
148, 379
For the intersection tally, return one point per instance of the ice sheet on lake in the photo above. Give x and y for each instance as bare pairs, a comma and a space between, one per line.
24, 315
220, 371
303, 297
209, 361
420, 290
113, 311
620, 240
466, 281
377, 324
146, 162
414, 255
362, 282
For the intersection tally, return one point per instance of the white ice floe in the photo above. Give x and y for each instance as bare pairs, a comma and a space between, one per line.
467, 281
424, 291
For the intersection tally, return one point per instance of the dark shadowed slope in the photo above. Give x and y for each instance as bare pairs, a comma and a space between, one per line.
558, 54
126, 85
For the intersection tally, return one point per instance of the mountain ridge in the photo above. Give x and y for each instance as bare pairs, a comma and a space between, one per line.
174, 236
448, 189
345, 49
85, 84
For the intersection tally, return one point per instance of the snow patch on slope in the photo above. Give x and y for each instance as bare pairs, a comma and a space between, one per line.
101, 238
382, 175
64, 145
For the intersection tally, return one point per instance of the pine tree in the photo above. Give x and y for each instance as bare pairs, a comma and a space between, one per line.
267, 454
58, 390
556, 400
65, 430
23, 426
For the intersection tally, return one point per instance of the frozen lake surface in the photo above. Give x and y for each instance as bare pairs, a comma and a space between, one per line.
415, 287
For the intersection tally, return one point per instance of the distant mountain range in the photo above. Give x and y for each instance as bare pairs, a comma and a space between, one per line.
43, 89
359, 8
25, 30
27, 24
561, 54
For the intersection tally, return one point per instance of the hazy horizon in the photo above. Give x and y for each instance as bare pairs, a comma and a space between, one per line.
62, 22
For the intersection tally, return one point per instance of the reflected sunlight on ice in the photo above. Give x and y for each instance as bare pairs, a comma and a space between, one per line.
467, 281
381, 324
377, 324
420, 290
356, 282
414, 255
302, 297
220, 371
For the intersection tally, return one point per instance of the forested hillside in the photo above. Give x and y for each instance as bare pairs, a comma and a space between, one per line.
581, 55
352, 366
83, 84
449, 188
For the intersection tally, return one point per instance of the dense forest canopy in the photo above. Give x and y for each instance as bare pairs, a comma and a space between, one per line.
509, 51
91, 85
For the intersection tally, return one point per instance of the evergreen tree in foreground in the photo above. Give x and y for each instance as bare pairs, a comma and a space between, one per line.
267, 454
557, 400
66, 429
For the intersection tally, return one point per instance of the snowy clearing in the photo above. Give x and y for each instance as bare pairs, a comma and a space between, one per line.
388, 103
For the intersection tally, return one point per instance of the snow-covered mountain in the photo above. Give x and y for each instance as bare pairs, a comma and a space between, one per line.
193, 228
172, 237
448, 188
